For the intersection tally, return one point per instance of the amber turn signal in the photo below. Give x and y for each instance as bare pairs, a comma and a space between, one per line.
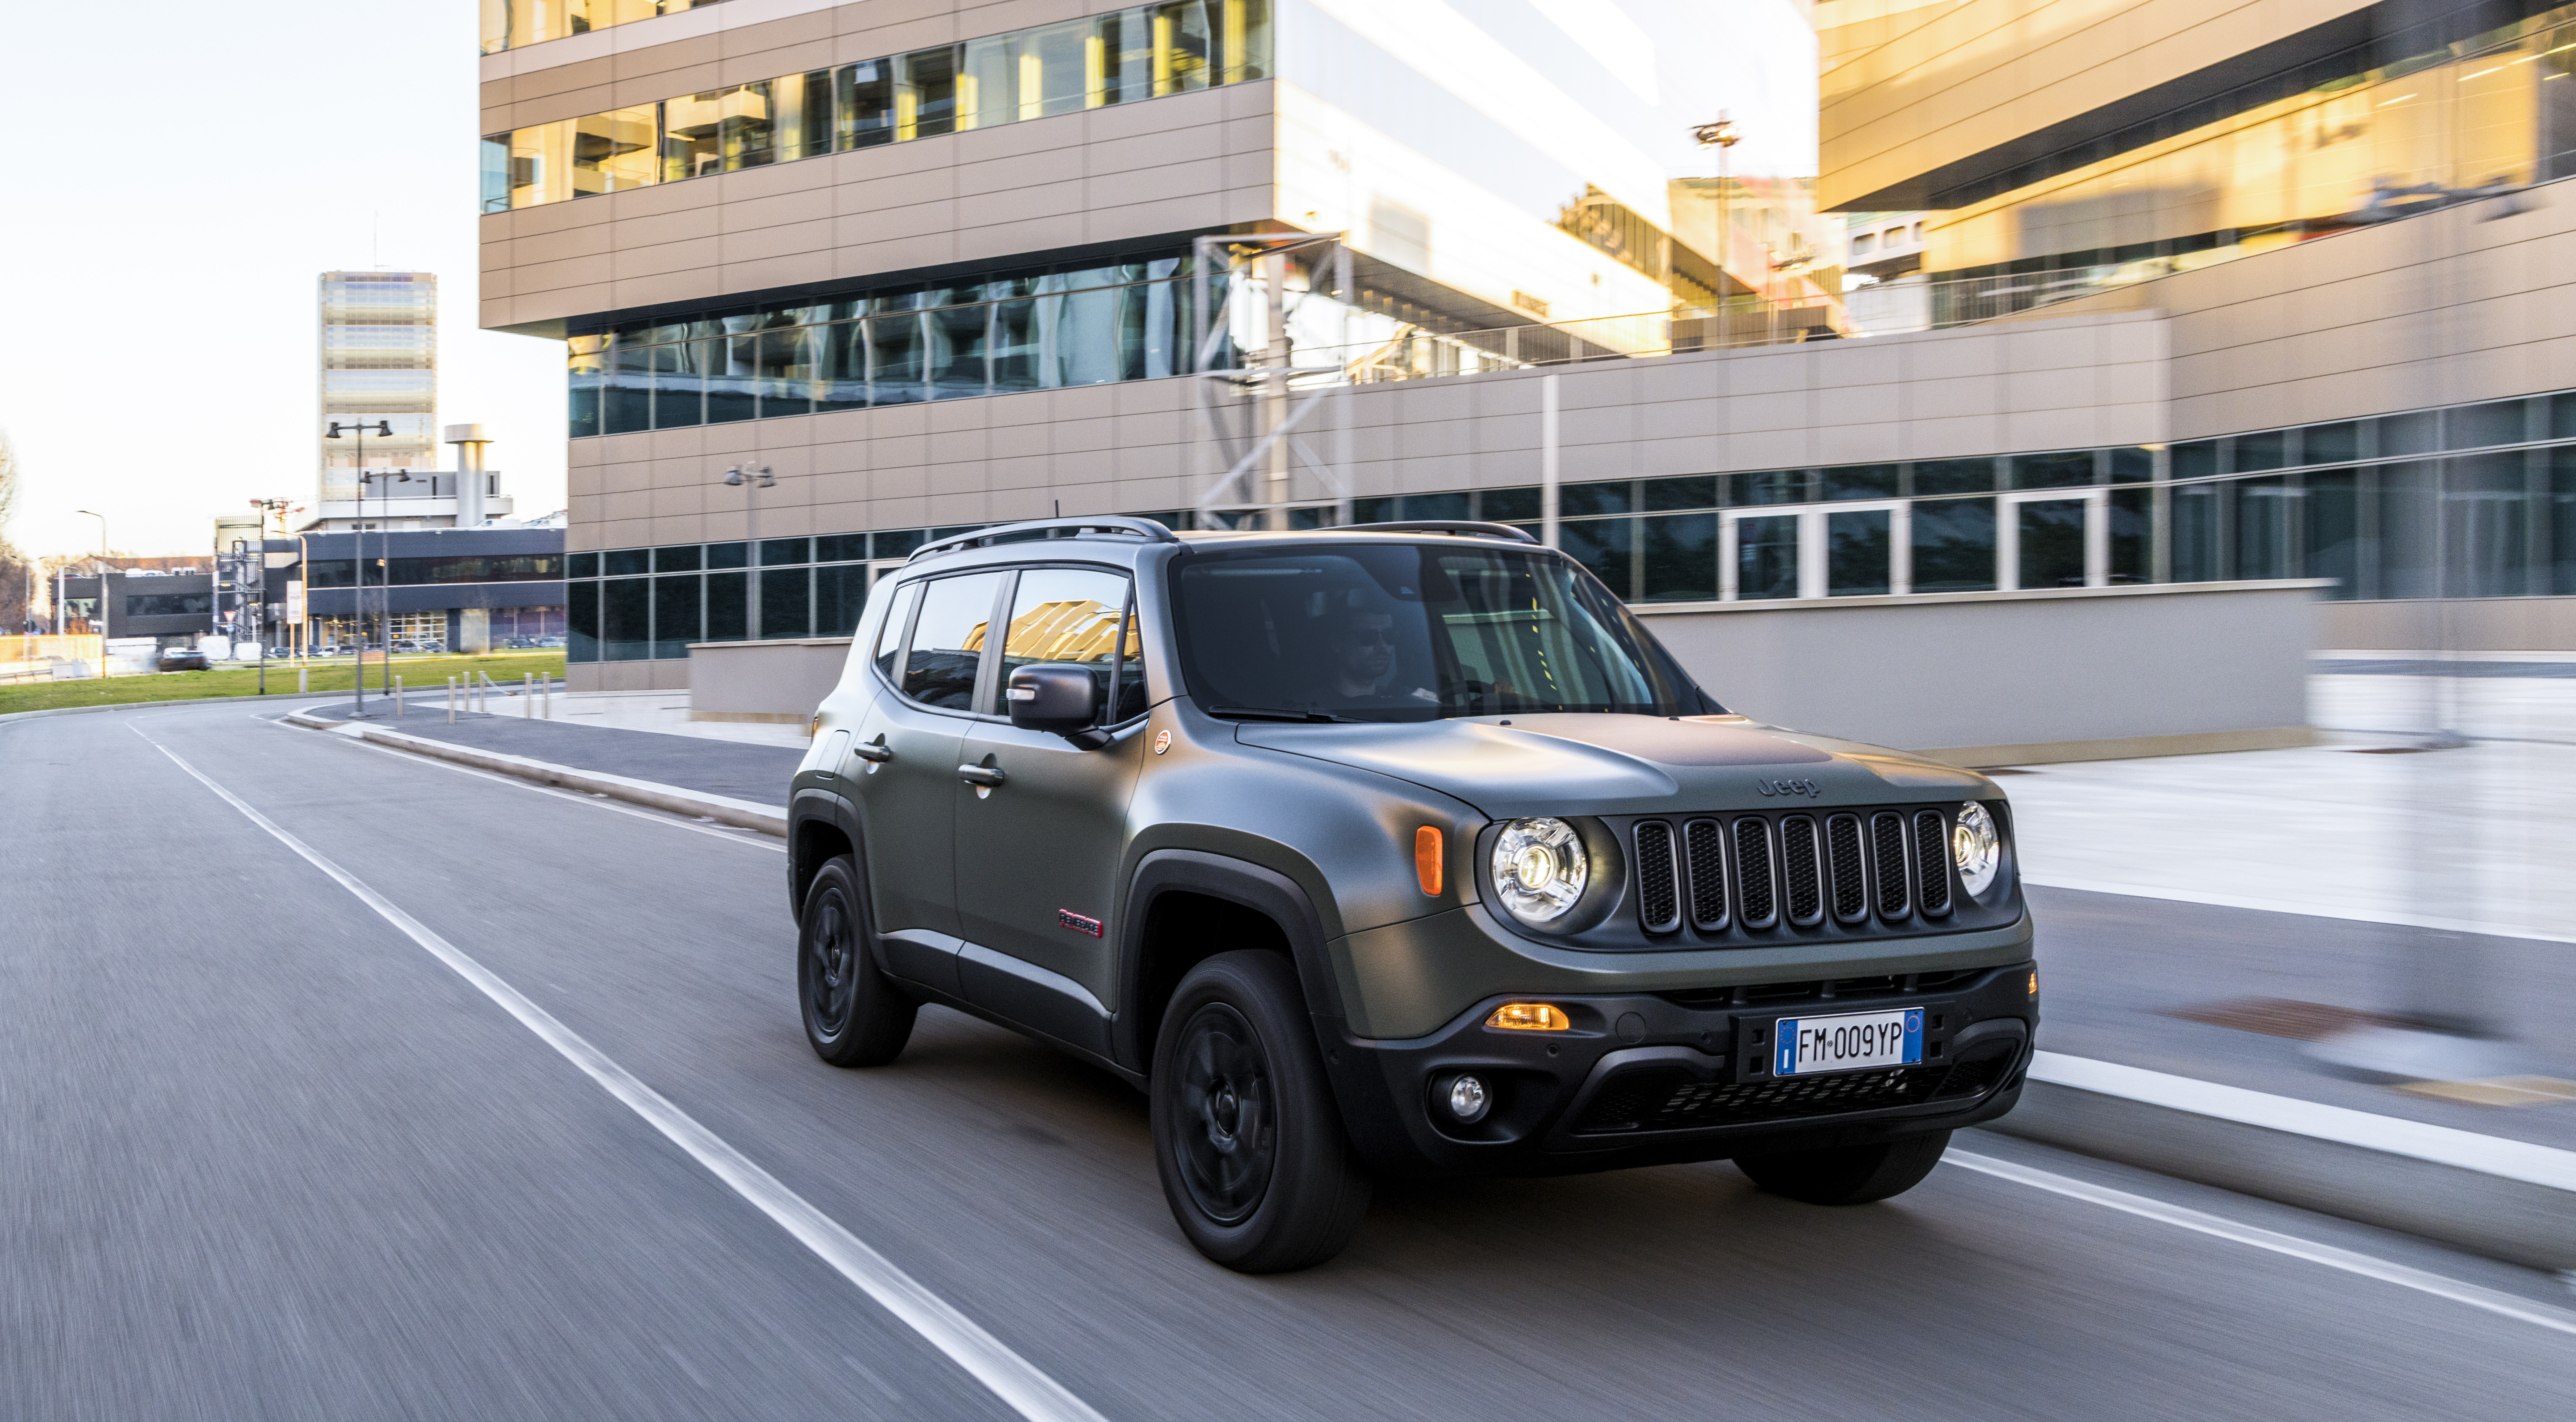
2034, 984
1427, 858
1530, 1017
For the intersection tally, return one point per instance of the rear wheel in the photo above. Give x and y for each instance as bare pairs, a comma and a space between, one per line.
1247, 1139
854, 1017
1848, 1175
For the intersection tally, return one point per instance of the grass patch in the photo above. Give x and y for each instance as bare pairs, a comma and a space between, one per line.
418, 673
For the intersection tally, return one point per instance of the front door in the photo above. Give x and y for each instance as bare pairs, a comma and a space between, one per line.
1038, 854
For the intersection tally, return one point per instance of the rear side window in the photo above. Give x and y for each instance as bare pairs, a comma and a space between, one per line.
1074, 615
947, 645
898, 620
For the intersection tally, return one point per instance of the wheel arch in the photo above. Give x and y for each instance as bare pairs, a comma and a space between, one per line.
812, 841
1186, 905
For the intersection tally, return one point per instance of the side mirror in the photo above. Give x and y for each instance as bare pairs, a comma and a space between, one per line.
1054, 697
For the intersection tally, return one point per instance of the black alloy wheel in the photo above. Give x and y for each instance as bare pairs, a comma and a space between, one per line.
1247, 1138
1229, 1137
854, 1016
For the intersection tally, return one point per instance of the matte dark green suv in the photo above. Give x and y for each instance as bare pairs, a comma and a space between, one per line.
1401, 849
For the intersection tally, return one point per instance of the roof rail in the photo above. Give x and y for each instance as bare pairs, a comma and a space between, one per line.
1463, 528
1144, 528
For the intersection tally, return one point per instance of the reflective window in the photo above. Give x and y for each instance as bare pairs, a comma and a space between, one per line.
1953, 545
1141, 53
2050, 535
898, 621
947, 645
1074, 615
676, 615
1856, 550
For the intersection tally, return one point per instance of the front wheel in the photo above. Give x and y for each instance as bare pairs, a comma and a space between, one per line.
854, 1017
1848, 1175
1247, 1139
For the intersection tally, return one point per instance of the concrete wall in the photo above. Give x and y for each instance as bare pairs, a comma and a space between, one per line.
2009, 678
1131, 447
2486, 624
780, 681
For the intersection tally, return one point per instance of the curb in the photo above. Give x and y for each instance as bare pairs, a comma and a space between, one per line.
7, 717
2505, 1199
742, 814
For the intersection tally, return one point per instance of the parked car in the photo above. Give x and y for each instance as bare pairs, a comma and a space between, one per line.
183, 659
1401, 849
549, 641
518, 643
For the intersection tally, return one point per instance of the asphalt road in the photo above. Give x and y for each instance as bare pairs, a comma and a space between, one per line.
268, 1155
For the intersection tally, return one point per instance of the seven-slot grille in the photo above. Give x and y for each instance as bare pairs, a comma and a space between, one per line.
1794, 868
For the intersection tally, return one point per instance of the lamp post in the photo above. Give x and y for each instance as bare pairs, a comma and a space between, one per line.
358, 561
100, 621
750, 477
1722, 136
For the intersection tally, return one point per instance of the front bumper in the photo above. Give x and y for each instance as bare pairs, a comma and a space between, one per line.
1657, 1078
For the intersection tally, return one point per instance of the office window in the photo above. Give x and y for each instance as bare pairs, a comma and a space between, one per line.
626, 619
676, 615
1680, 558
1954, 476
1766, 557
1953, 544
786, 603
1856, 547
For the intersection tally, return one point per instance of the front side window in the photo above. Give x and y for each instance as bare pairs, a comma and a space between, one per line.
1412, 633
947, 645
1073, 615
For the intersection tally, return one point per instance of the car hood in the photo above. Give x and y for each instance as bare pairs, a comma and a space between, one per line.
1587, 764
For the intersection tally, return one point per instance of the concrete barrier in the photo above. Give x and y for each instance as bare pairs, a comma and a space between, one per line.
2006, 678
2505, 1199
779, 682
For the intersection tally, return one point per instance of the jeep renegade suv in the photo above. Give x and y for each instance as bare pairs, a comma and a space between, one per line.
1399, 849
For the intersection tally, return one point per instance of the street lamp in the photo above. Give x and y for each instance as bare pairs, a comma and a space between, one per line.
100, 621
750, 477
358, 562
1722, 136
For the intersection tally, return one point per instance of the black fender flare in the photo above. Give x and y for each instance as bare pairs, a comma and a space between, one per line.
1265, 891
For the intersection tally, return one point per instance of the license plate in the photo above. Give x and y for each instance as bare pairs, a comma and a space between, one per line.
1810, 1046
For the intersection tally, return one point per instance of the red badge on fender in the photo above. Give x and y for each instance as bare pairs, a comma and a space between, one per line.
1067, 918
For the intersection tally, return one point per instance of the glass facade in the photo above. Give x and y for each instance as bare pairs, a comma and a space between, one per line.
1125, 56
1033, 330
2407, 122
516, 24
379, 361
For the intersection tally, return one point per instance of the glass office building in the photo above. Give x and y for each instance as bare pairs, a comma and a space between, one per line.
378, 362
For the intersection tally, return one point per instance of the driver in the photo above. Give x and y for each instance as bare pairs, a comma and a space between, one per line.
1360, 656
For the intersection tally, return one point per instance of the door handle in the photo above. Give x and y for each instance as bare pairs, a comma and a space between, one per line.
876, 750
984, 775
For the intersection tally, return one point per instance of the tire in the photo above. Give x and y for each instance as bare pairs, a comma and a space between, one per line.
854, 1016
1250, 1146
1848, 1175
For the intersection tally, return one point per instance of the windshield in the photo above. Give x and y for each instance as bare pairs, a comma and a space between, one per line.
1403, 632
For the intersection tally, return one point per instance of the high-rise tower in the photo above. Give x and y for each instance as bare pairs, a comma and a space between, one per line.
379, 361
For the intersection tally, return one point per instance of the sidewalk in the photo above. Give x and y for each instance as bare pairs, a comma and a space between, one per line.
641, 737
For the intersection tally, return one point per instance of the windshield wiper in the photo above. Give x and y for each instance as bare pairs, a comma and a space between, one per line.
1267, 713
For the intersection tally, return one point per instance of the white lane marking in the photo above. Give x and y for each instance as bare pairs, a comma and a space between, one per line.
2443, 1145
745, 837
2491, 1300
1029, 1392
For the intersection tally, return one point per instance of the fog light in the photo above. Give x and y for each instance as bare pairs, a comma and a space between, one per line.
1530, 1017
1468, 1101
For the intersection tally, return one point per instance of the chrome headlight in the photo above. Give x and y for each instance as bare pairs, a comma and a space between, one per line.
1539, 869
1975, 848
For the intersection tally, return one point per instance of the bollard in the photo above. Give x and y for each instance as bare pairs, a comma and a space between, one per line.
398, 698
451, 701
303, 680
528, 697
549, 685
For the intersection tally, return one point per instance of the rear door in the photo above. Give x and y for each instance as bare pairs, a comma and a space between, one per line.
902, 769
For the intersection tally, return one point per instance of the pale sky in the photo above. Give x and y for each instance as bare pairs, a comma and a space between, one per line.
188, 170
